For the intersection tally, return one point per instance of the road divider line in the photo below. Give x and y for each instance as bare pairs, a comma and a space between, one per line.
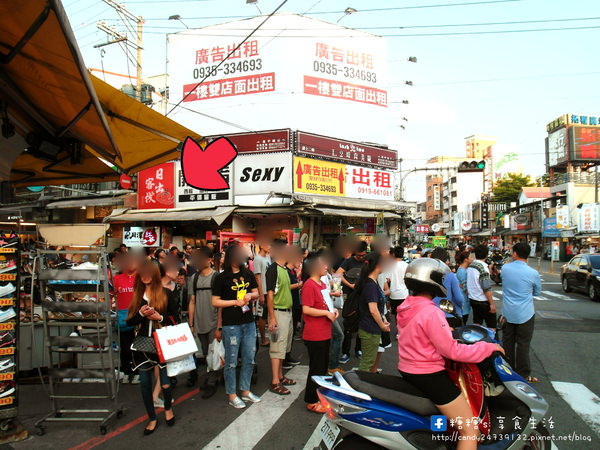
245, 432
581, 400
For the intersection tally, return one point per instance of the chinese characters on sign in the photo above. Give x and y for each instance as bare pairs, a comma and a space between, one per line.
187, 196
344, 91
218, 53
589, 218
155, 187
249, 84
345, 151
437, 201
141, 236
586, 143
259, 142
422, 228
344, 56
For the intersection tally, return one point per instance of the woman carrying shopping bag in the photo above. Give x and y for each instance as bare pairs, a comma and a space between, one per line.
152, 307
234, 290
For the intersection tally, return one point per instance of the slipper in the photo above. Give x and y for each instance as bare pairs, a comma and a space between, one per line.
531, 379
316, 408
279, 389
287, 382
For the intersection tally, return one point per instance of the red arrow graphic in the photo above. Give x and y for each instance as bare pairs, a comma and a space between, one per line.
299, 175
341, 178
201, 167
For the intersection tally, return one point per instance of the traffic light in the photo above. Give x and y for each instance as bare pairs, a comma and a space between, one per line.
471, 166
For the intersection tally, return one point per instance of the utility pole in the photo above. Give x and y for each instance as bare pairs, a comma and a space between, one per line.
124, 13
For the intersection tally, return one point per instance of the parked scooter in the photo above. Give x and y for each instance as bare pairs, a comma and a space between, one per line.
495, 262
366, 410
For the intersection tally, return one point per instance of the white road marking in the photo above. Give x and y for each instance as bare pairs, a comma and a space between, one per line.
541, 299
583, 401
561, 296
551, 282
315, 437
259, 418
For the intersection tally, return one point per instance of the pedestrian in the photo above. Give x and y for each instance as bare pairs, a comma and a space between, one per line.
293, 264
371, 311
350, 271
123, 284
233, 290
337, 332
479, 286
520, 283
318, 318
279, 301
262, 261
463, 261
217, 261
152, 307
425, 340
202, 315
452, 285
398, 290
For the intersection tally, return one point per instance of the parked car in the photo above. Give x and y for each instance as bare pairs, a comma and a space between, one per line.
582, 274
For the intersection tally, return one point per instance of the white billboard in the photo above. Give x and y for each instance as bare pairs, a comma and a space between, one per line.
262, 173
187, 196
296, 72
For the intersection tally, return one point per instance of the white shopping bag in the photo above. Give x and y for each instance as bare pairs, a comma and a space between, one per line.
174, 342
179, 366
215, 360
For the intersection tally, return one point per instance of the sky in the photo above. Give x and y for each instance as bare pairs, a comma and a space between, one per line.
483, 67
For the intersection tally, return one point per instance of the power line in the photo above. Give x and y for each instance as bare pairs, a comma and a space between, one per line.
230, 53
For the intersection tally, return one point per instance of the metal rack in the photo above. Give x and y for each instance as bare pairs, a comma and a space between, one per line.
94, 320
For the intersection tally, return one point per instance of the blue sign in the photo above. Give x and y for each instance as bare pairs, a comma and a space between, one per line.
438, 423
550, 229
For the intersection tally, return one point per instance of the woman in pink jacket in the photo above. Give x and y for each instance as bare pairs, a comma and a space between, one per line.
425, 339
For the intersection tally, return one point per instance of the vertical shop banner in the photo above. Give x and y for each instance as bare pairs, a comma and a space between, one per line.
187, 196
563, 217
589, 220
262, 173
155, 187
437, 200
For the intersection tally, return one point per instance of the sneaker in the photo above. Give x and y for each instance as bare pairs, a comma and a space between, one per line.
7, 266
7, 289
7, 314
7, 339
291, 361
286, 364
9, 242
159, 403
6, 364
358, 353
237, 403
7, 388
134, 379
338, 370
251, 398
344, 359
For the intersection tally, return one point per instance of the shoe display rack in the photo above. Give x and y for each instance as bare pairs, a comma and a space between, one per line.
9, 330
78, 296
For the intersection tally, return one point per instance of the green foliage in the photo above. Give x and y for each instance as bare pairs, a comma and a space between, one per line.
508, 188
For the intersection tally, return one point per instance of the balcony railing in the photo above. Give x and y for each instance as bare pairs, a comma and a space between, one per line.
574, 177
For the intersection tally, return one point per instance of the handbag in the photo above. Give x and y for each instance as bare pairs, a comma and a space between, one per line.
144, 344
182, 365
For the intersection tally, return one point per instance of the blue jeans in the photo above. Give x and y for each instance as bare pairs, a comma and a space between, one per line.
335, 347
238, 338
147, 387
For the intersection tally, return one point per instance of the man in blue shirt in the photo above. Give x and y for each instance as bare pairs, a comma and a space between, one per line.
520, 283
454, 294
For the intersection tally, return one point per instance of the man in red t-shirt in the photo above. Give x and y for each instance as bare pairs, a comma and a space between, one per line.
124, 284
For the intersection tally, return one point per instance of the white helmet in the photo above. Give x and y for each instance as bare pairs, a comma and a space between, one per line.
426, 275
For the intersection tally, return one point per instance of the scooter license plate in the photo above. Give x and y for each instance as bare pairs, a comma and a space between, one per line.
329, 433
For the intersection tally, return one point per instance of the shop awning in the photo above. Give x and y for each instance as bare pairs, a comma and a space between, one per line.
356, 213
78, 203
61, 114
483, 233
352, 203
453, 233
218, 214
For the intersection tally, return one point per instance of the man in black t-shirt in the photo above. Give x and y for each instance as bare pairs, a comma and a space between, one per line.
350, 271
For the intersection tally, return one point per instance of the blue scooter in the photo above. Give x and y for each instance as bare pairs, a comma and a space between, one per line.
368, 411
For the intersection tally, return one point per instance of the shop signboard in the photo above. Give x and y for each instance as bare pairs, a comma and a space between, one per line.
345, 151
563, 217
557, 148
262, 174
142, 236
550, 229
187, 196
555, 251
314, 176
156, 186
585, 143
520, 221
589, 220
437, 200
424, 228
260, 141
439, 241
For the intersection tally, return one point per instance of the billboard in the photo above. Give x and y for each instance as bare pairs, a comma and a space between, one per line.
187, 196
589, 218
262, 174
585, 143
259, 141
557, 148
296, 72
155, 187
313, 176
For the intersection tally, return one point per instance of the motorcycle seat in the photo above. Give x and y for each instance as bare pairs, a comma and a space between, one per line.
392, 389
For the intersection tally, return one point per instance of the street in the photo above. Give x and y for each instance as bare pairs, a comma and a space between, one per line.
564, 358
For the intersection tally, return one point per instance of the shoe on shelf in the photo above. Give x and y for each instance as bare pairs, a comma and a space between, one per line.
7, 339
159, 403
252, 398
7, 289
338, 370
344, 359
7, 266
6, 388
237, 403
7, 314
6, 364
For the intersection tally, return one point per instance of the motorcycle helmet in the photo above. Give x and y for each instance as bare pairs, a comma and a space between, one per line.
426, 275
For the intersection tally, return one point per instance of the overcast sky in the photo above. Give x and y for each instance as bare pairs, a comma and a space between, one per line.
507, 85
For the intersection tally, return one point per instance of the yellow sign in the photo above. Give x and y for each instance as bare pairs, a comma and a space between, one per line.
313, 176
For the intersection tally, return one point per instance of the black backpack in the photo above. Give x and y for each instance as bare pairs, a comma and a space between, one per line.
351, 312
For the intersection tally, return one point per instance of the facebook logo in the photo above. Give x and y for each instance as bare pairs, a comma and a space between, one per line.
438, 423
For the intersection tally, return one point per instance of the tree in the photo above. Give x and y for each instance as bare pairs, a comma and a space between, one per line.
543, 180
508, 188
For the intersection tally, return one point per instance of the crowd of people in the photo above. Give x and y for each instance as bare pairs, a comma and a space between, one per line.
331, 298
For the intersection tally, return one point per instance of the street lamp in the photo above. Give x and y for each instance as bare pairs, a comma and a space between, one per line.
178, 17
347, 12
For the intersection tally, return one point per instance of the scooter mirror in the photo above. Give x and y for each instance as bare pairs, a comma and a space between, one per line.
447, 306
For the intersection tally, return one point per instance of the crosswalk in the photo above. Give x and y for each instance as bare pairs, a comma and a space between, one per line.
546, 296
